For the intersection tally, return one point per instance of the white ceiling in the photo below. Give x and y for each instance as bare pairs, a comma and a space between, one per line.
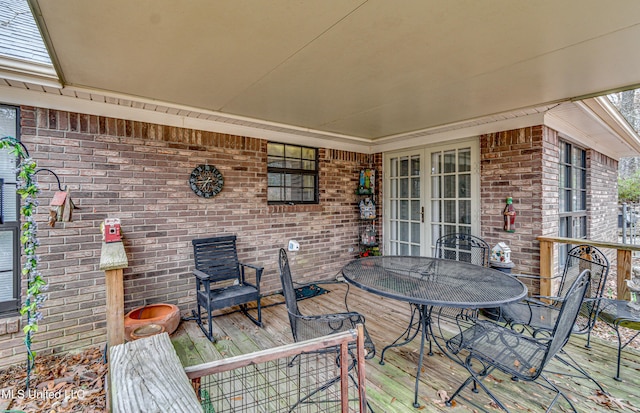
365, 69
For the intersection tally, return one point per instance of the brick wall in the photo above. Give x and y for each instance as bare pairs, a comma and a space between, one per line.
523, 164
139, 172
511, 166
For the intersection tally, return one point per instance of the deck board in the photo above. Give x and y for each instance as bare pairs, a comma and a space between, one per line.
390, 386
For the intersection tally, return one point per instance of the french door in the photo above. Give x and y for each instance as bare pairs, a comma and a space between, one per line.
430, 192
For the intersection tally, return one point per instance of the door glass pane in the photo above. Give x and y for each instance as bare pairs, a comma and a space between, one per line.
415, 232
435, 187
436, 168
404, 167
404, 231
449, 186
404, 209
404, 187
415, 187
415, 166
449, 211
465, 212
435, 211
449, 161
464, 186
464, 160
415, 210
393, 167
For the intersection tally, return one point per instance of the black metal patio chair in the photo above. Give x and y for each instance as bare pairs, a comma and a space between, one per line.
463, 247
466, 248
538, 313
305, 327
617, 314
221, 281
491, 347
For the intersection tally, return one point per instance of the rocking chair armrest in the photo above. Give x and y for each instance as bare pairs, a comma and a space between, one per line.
202, 276
258, 269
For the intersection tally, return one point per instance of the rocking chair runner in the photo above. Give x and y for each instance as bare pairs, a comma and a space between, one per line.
221, 281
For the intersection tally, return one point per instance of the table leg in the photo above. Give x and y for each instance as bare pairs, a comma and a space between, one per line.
425, 318
410, 333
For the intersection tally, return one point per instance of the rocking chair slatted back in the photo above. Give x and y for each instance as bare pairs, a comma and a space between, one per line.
217, 257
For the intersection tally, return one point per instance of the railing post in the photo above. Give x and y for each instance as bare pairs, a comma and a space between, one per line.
546, 267
624, 273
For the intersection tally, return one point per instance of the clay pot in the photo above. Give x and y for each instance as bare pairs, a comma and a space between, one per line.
166, 316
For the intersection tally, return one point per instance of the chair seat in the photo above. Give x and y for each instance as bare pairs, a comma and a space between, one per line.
228, 296
519, 355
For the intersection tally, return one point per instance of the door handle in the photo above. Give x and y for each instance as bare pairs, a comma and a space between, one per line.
422, 215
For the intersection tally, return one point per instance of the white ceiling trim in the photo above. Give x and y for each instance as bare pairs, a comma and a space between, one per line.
30, 72
49, 95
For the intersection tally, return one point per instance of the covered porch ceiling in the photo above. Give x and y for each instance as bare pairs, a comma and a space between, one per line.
367, 70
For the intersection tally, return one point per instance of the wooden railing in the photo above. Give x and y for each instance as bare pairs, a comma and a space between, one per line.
624, 263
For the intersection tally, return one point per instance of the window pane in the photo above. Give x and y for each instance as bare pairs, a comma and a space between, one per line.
293, 151
275, 194
307, 194
309, 165
309, 181
276, 149
309, 153
6, 265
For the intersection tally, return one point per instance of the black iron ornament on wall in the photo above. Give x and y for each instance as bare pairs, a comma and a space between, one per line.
206, 181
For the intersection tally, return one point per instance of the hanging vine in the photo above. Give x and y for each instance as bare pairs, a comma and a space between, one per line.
36, 286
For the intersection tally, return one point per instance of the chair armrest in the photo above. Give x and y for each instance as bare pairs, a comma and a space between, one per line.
258, 271
202, 276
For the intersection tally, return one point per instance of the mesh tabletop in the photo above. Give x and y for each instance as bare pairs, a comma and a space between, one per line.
434, 281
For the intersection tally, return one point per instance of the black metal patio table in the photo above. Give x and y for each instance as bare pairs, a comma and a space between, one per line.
425, 282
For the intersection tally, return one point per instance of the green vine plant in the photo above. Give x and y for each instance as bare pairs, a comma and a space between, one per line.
28, 190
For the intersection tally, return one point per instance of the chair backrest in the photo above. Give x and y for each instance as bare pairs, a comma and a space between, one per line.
580, 258
217, 257
567, 316
289, 292
463, 247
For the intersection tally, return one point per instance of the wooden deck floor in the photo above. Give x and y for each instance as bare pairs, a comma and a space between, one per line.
390, 387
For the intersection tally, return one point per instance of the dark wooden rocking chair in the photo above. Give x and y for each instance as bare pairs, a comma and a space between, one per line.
221, 281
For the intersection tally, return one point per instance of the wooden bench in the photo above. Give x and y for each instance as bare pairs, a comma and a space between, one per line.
146, 376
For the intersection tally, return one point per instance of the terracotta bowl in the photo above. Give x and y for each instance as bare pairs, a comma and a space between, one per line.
166, 316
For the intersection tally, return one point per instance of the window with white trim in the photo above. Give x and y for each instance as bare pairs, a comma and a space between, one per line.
9, 218
572, 194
